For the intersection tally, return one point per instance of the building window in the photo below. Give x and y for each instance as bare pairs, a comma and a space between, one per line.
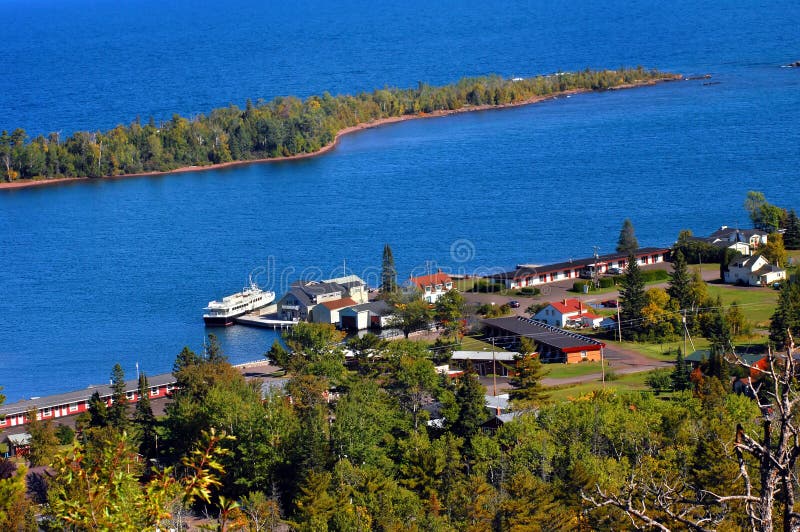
46, 412
153, 391
584, 355
2, 421
129, 396
543, 278
73, 407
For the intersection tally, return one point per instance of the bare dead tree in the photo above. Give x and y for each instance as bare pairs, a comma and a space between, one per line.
774, 385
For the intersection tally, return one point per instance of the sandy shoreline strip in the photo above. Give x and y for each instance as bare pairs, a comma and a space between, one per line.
346, 131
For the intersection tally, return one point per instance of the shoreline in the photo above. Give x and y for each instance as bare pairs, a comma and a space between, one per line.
30, 183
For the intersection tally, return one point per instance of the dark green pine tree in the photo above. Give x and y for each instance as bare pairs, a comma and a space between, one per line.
627, 242
680, 374
719, 334
680, 289
786, 316
144, 420
632, 297
388, 272
213, 350
471, 401
791, 238
98, 411
117, 412
528, 390
185, 358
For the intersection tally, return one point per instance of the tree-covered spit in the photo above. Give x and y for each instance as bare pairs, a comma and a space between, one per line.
283, 127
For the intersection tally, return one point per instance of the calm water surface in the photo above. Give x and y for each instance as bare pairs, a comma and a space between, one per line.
98, 273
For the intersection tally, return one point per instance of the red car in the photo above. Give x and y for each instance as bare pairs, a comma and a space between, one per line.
611, 303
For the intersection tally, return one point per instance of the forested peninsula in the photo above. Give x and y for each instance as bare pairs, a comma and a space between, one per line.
286, 127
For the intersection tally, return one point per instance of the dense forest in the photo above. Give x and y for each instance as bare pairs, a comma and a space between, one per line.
349, 447
283, 127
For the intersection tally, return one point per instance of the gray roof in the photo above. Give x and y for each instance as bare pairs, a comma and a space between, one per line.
541, 333
314, 288
727, 232
19, 439
508, 416
300, 295
269, 385
21, 407
484, 355
379, 307
493, 402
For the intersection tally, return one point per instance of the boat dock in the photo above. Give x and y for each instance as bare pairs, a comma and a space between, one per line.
269, 321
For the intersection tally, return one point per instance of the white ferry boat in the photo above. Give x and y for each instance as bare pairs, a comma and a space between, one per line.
222, 313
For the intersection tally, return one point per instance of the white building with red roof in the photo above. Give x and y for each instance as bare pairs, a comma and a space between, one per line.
568, 312
432, 286
328, 312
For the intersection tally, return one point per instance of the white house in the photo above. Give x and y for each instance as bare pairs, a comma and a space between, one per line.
328, 312
753, 271
433, 286
560, 313
375, 314
754, 238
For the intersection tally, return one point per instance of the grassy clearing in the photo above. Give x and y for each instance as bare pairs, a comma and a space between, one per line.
562, 371
757, 304
665, 351
625, 383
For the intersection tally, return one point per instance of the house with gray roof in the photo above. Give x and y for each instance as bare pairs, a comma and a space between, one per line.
303, 296
753, 271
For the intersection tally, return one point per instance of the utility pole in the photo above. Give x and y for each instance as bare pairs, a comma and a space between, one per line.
619, 322
685, 330
603, 365
494, 371
596, 273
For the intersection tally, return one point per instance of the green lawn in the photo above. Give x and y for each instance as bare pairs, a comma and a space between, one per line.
666, 351
561, 371
625, 383
757, 304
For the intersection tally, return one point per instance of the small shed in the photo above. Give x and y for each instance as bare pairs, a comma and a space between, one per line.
19, 445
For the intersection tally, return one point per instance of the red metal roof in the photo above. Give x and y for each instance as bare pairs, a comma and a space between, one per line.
431, 280
568, 306
339, 303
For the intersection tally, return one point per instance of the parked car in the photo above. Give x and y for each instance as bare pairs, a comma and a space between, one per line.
573, 324
615, 271
513, 303
609, 303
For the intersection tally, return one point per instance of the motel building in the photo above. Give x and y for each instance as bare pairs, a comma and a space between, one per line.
533, 275
73, 403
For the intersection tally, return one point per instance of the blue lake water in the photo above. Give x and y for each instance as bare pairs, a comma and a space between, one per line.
118, 271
